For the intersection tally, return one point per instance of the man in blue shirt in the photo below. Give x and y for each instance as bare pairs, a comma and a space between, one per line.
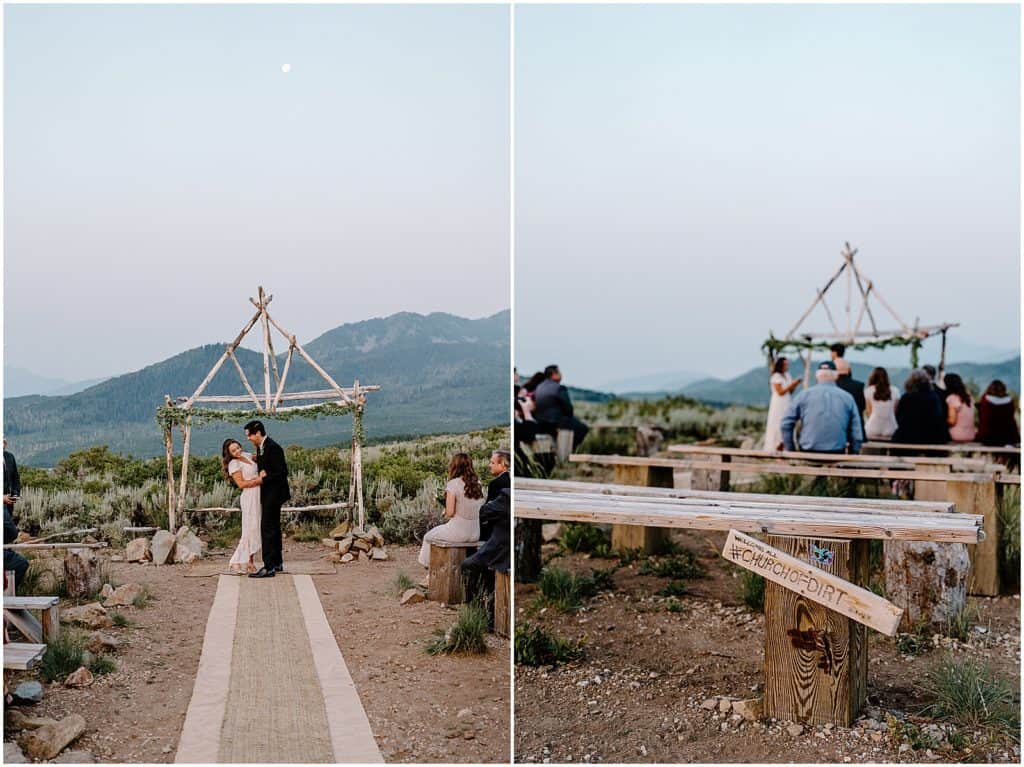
828, 417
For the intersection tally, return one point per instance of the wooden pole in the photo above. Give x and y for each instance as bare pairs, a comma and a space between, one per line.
942, 356
814, 303
848, 255
266, 350
223, 358
358, 459
284, 375
245, 380
323, 373
169, 446
807, 369
186, 442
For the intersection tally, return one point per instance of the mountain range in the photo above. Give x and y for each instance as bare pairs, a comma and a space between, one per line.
438, 373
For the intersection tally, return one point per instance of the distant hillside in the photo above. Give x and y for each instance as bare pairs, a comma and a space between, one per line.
751, 388
19, 382
438, 373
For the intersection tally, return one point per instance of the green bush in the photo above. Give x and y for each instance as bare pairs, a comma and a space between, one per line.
467, 634
566, 591
536, 647
969, 693
681, 566
752, 590
581, 538
1009, 552
63, 656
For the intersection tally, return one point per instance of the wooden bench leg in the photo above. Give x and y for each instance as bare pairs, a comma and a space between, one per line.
981, 498
649, 539
528, 540
51, 624
26, 623
9, 588
815, 660
446, 584
502, 604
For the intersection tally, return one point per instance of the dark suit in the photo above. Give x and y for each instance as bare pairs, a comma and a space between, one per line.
555, 407
855, 389
273, 493
12, 486
478, 570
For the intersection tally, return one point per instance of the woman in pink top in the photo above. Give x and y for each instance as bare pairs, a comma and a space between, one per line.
959, 410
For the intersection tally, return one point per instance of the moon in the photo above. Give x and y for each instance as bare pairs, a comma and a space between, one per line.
286, 68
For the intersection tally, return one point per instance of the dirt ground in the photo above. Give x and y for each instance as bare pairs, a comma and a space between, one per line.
637, 695
417, 704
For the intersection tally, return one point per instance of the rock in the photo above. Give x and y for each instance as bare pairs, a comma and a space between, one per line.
12, 753
124, 595
28, 693
23, 537
16, 720
751, 709
364, 556
710, 704
82, 677
346, 558
725, 705
87, 658
89, 539
345, 544
137, 550
190, 558
375, 536
162, 547
328, 542
361, 544
795, 730
48, 741
551, 531
75, 757
186, 542
106, 592
378, 553
114, 558
410, 596
91, 616
340, 531
464, 713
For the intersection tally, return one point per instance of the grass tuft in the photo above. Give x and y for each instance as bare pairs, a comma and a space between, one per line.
958, 625
580, 538
402, 583
536, 647
63, 656
566, 591
752, 591
680, 566
102, 664
674, 589
970, 694
466, 635
120, 620
143, 598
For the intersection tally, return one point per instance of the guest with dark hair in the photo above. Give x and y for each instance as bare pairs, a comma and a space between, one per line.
880, 401
920, 419
782, 387
531, 384
554, 407
12, 491
846, 381
997, 416
959, 410
933, 376
463, 497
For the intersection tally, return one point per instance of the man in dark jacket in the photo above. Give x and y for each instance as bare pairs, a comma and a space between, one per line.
479, 568
273, 493
851, 386
12, 489
554, 407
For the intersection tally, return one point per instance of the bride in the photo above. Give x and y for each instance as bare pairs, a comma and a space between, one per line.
241, 467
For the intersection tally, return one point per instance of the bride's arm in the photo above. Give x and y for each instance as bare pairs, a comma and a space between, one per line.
245, 483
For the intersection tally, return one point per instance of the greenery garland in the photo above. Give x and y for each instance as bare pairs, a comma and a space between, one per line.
772, 346
167, 417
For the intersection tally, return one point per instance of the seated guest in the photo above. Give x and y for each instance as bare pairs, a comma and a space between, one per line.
851, 386
997, 416
554, 407
478, 569
880, 401
920, 417
933, 376
959, 410
828, 417
499, 466
463, 497
12, 491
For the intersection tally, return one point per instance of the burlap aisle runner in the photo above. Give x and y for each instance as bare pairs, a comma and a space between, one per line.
272, 705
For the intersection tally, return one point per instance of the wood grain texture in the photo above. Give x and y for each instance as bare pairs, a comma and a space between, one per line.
827, 458
648, 539
982, 499
502, 604
446, 585
815, 658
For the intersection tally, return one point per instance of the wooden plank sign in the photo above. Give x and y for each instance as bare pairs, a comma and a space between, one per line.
813, 583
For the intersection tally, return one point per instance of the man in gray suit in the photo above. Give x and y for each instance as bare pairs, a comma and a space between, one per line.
554, 407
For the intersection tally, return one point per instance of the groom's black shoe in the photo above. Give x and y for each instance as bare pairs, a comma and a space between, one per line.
279, 568
263, 573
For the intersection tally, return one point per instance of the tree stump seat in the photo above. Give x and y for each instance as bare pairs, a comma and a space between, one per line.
446, 583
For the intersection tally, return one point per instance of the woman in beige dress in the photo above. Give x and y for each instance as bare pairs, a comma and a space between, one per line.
241, 468
463, 497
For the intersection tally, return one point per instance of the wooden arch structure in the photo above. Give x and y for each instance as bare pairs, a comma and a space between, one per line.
852, 333
182, 412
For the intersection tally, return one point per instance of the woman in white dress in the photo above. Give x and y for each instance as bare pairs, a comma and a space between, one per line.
782, 386
880, 400
463, 497
241, 467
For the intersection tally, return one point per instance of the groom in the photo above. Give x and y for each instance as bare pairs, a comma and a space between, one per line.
273, 493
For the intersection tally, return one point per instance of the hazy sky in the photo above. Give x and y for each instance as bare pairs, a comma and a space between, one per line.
686, 176
160, 165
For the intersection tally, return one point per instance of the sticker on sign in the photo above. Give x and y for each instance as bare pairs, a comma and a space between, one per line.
812, 582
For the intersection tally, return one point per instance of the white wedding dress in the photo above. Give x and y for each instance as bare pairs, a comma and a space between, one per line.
250, 542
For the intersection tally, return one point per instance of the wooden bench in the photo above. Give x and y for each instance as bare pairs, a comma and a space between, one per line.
974, 492
951, 447
502, 604
18, 612
445, 579
815, 658
21, 656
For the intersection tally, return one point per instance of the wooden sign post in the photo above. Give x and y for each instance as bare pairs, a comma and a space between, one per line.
814, 583
815, 659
